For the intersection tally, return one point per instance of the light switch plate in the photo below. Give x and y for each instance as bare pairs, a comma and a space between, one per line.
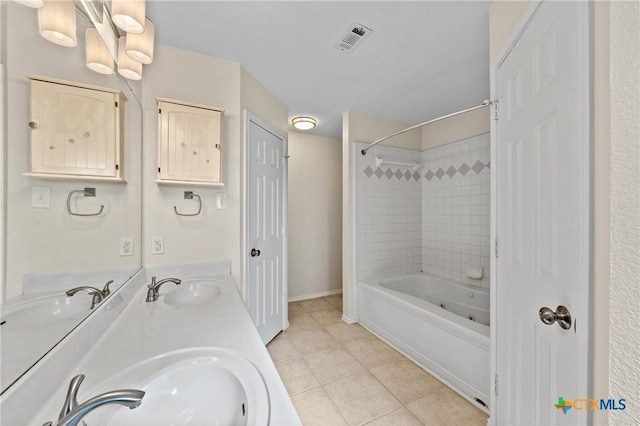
40, 197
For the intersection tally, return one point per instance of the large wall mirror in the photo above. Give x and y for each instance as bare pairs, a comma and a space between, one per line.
48, 250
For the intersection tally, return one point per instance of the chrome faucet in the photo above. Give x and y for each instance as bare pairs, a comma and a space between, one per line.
72, 412
152, 293
98, 295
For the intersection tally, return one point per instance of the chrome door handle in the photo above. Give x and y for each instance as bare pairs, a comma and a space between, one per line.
255, 252
562, 316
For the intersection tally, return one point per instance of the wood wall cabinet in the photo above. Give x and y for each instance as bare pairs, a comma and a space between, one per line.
189, 139
76, 131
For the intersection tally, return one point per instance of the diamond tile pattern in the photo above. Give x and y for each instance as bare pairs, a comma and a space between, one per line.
398, 174
439, 173
379, 172
429, 175
407, 175
478, 166
368, 171
416, 176
388, 174
464, 169
451, 171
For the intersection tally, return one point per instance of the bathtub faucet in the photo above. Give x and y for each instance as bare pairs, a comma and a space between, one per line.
72, 412
152, 293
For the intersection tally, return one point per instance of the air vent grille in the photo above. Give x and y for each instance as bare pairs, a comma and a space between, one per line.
353, 37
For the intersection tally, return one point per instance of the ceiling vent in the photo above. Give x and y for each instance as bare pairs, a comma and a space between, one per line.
353, 37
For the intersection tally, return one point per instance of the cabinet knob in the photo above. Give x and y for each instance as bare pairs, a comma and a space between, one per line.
195, 152
72, 141
52, 147
33, 124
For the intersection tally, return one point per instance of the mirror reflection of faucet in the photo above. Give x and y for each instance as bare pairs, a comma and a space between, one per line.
72, 412
98, 295
152, 293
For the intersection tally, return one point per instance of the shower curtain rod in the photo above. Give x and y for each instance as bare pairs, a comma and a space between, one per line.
453, 114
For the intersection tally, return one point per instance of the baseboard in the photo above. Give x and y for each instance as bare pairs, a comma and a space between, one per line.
314, 295
349, 320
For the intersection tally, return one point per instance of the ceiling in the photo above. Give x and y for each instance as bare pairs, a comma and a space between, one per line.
423, 59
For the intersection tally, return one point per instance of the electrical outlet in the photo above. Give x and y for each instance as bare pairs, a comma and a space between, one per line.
157, 245
126, 246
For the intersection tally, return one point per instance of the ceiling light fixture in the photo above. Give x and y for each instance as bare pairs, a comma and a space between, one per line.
99, 58
140, 46
303, 122
128, 15
57, 22
127, 67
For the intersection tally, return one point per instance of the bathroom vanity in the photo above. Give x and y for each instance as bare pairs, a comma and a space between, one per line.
194, 352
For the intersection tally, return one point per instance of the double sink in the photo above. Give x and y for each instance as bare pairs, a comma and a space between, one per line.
190, 386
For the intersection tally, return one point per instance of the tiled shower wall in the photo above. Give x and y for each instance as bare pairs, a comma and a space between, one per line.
434, 219
388, 213
455, 209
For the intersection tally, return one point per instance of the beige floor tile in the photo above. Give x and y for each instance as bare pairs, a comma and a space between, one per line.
316, 408
295, 308
335, 300
400, 417
312, 340
372, 351
344, 332
333, 364
361, 398
327, 317
445, 407
302, 321
282, 348
296, 375
314, 305
406, 380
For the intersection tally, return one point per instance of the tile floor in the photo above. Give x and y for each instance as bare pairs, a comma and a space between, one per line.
340, 374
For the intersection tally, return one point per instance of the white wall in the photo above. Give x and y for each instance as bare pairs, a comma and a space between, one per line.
50, 240
624, 356
215, 234
314, 213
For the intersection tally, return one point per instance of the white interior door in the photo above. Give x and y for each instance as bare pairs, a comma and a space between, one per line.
265, 229
542, 172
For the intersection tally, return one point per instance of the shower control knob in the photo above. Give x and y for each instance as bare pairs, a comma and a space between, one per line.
562, 316
255, 252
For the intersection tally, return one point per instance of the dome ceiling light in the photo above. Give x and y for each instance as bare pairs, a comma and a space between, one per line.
303, 122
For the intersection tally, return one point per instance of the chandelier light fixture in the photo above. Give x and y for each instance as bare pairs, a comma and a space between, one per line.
139, 47
127, 67
128, 15
57, 22
99, 58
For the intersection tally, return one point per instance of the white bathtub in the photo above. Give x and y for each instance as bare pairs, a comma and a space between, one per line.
427, 318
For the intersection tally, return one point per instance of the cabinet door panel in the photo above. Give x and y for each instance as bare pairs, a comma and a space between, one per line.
76, 130
189, 143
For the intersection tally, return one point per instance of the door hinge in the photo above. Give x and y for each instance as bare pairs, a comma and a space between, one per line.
495, 247
159, 110
495, 109
116, 104
495, 384
117, 167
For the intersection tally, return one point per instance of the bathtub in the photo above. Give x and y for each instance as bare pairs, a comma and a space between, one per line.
440, 324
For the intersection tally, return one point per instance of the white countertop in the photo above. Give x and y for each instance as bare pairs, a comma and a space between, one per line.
144, 330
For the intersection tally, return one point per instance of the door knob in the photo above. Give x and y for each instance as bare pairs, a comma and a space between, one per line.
562, 316
255, 252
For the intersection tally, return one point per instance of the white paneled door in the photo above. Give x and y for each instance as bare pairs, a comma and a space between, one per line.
543, 219
265, 228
